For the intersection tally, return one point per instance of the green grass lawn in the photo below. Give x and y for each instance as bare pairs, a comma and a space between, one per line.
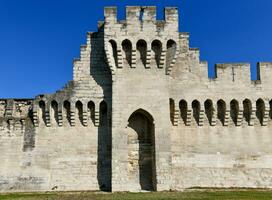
195, 195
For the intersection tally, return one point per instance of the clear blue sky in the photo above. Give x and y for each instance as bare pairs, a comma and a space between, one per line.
40, 38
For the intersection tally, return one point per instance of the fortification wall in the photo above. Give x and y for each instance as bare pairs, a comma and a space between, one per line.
141, 114
61, 141
220, 127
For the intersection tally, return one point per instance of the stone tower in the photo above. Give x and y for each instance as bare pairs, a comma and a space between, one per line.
140, 53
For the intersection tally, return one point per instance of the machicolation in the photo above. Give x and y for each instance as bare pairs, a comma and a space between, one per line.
140, 114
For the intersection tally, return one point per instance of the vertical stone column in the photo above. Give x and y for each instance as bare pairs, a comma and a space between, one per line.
189, 117
214, 116
266, 113
47, 115
119, 58
85, 115
60, 116
176, 114
133, 56
35, 115
148, 56
96, 114
240, 115
72, 114
201, 115
227, 115
172, 63
163, 58
252, 115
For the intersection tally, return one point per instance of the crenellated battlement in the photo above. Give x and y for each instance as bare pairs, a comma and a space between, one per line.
264, 72
43, 112
233, 72
221, 112
240, 73
142, 18
48, 112
140, 39
14, 114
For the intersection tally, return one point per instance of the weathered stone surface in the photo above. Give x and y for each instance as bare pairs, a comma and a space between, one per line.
141, 114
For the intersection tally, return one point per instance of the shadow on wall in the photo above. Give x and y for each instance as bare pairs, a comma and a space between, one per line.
104, 170
99, 68
101, 74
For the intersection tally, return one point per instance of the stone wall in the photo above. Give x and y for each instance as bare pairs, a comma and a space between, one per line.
141, 114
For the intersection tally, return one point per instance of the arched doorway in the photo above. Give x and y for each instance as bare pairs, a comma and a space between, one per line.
141, 151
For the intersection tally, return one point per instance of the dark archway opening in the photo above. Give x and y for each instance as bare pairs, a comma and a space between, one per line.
114, 51
67, 112
157, 49
209, 110
196, 111
260, 105
127, 49
142, 50
54, 110
247, 110
234, 110
141, 150
221, 111
42, 112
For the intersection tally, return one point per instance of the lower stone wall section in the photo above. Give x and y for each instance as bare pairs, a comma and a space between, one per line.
62, 159
221, 158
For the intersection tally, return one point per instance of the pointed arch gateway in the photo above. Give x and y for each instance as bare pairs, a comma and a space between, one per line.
141, 150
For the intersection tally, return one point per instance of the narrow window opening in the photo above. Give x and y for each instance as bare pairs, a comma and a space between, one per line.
127, 50
91, 109
260, 106
42, 111
172, 110
247, 110
221, 111
142, 50
196, 110
141, 16
79, 109
114, 51
234, 109
183, 110
67, 111
157, 49
54, 111
209, 110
